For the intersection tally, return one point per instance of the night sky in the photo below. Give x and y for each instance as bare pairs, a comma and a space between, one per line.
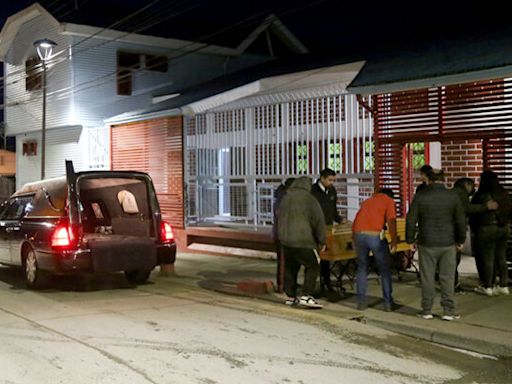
333, 27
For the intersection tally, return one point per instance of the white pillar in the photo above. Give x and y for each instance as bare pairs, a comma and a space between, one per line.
353, 198
435, 154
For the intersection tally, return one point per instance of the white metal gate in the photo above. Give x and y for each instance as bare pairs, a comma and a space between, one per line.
236, 158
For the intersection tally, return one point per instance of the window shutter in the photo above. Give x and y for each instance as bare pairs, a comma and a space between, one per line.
154, 147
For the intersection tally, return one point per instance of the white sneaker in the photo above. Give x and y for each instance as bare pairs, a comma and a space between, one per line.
310, 302
501, 290
450, 316
484, 291
425, 315
293, 301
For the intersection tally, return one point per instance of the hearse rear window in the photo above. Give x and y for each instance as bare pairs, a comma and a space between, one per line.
17, 207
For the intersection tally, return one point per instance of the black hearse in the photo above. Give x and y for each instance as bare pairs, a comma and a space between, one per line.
85, 222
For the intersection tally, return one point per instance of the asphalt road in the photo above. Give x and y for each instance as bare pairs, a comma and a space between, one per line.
102, 330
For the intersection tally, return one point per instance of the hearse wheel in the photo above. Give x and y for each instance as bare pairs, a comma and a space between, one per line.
138, 276
34, 277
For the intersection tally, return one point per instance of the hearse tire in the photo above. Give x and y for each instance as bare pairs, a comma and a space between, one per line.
34, 277
138, 276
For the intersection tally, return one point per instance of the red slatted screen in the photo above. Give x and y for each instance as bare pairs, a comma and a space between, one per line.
388, 167
478, 110
155, 147
498, 157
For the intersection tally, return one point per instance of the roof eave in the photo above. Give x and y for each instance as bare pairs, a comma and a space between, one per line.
274, 89
124, 118
154, 41
432, 82
223, 98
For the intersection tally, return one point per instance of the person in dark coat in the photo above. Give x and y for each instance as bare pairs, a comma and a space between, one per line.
279, 193
465, 188
492, 231
441, 221
301, 231
325, 193
424, 171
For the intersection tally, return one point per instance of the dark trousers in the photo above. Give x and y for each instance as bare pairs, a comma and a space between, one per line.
430, 259
325, 274
478, 258
294, 258
457, 262
492, 247
280, 267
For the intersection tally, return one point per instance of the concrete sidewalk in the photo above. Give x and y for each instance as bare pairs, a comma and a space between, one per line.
485, 325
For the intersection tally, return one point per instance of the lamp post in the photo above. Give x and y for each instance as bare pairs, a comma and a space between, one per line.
44, 49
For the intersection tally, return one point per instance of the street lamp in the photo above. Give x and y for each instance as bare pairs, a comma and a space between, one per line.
44, 49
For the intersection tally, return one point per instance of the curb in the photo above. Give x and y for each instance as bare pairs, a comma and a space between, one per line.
497, 347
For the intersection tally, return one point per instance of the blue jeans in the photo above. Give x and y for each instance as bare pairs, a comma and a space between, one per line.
364, 244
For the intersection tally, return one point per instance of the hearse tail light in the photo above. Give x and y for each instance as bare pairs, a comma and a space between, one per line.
166, 233
63, 237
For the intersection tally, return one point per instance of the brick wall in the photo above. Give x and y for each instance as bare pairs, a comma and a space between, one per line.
461, 158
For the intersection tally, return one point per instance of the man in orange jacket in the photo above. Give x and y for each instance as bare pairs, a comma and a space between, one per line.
374, 213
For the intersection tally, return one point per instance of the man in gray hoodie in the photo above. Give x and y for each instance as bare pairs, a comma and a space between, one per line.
301, 231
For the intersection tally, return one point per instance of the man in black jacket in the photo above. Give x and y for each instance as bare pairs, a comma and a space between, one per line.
324, 192
441, 221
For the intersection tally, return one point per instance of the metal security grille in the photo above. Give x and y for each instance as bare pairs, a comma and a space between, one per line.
236, 158
99, 144
477, 110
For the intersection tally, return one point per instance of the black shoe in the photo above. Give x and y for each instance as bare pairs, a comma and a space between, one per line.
459, 290
390, 307
328, 288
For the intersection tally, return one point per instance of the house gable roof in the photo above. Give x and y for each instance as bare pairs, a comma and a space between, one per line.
83, 24
273, 24
14, 23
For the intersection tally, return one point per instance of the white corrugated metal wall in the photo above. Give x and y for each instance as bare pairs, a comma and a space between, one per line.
23, 109
64, 144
